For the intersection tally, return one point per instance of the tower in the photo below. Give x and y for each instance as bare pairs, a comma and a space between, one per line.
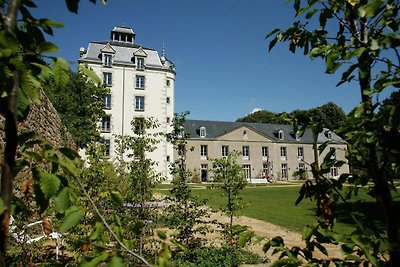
141, 85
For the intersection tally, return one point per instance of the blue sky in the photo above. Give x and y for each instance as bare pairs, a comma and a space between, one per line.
224, 69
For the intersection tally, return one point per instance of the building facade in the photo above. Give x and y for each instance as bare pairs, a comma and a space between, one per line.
141, 84
266, 150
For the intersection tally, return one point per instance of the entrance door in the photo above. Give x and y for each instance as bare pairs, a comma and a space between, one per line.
204, 172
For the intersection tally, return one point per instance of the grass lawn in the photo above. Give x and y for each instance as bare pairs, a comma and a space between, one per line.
276, 204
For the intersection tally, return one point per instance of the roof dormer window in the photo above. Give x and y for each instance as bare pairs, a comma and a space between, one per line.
298, 136
328, 134
140, 63
281, 135
203, 132
107, 60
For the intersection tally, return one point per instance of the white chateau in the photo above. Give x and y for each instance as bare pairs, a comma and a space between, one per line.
141, 85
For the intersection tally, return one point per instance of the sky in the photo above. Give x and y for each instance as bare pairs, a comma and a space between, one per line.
223, 68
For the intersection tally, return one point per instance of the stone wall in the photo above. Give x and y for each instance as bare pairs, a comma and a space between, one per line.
44, 120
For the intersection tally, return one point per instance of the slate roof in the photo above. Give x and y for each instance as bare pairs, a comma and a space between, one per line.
215, 129
123, 53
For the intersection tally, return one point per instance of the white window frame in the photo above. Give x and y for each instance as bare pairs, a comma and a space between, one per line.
203, 152
139, 103
300, 153
168, 100
107, 76
107, 60
107, 101
264, 152
266, 170
140, 81
224, 150
106, 124
283, 151
281, 135
246, 171
246, 152
203, 132
334, 153
140, 63
107, 148
302, 166
284, 170
334, 171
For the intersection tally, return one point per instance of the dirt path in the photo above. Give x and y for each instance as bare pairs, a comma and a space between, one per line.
269, 230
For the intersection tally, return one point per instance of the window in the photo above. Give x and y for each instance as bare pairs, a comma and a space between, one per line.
107, 60
302, 167
107, 78
168, 158
106, 124
106, 152
281, 135
139, 103
266, 169
298, 137
204, 172
300, 152
225, 151
246, 152
168, 119
264, 151
333, 151
107, 101
203, 152
334, 171
247, 171
284, 170
139, 82
140, 63
168, 100
328, 135
283, 153
168, 82
203, 132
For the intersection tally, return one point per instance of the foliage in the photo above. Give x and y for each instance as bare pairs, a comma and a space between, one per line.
366, 44
187, 213
80, 104
224, 256
137, 173
329, 115
227, 171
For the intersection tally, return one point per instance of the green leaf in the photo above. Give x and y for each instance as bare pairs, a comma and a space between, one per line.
49, 184
47, 47
374, 45
97, 232
117, 198
2, 206
373, 7
311, 13
72, 217
61, 71
90, 74
95, 261
62, 201
116, 262
72, 5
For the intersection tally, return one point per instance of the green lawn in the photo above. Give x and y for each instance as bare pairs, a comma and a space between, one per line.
276, 204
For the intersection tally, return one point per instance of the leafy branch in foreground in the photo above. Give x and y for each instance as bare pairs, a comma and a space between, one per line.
365, 43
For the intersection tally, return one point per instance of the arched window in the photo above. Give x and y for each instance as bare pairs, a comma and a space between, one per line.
203, 132
281, 135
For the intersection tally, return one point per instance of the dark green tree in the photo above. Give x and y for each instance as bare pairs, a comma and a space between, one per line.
362, 37
80, 104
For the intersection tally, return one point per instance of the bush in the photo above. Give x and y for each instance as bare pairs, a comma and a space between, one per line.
223, 256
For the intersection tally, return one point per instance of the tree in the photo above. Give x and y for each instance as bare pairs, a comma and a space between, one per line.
80, 105
365, 43
230, 174
261, 116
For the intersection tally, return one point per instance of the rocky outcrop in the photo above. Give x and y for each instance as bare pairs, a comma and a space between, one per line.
44, 120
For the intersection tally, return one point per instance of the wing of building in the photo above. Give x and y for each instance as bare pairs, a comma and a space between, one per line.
267, 150
141, 84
